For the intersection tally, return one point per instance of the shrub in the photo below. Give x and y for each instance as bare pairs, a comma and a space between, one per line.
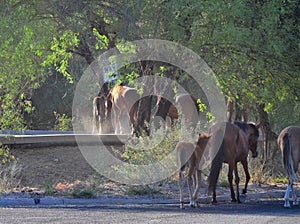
63, 122
83, 193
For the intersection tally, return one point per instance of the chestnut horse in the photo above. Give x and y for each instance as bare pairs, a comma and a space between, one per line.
289, 144
190, 154
236, 141
123, 100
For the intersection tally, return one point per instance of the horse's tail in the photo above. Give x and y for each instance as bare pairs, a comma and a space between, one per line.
287, 158
216, 166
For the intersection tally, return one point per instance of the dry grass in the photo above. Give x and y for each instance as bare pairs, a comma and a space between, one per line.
10, 176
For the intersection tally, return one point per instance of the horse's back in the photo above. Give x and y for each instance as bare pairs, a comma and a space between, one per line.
124, 96
293, 131
226, 130
232, 139
184, 151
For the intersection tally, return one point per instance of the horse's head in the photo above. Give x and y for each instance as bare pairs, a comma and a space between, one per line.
202, 140
253, 139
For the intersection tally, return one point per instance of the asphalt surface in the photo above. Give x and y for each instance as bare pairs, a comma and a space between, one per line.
137, 210
258, 212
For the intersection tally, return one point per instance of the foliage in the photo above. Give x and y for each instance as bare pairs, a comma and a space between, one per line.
83, 193
5, 154
48, 185
23, 41
141, 190
252, 46
149, 149
63, 122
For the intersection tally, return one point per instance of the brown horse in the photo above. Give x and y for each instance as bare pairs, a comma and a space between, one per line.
98, 113
130, 108
236, 140
289, 144
190, 154
123, 100
189, 108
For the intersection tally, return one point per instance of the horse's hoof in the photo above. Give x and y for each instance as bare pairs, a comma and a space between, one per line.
244, 191
287, 204
295, 203
182, 205
242, 198
214, 202
192, 204
233, 200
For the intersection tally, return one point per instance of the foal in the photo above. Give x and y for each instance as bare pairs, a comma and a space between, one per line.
190, 154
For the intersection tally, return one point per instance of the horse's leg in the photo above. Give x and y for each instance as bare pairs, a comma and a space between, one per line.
214, 196
180, 183
116, 119
245, 166
94, 122
230, 179
197, 187
190, 180
237, 181
121, 121
100, 122
287, 195
295, 200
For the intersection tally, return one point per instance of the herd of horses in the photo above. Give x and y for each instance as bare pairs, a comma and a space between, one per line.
225, 142
120, 108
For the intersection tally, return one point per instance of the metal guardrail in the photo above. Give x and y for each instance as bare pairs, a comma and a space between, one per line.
61, 139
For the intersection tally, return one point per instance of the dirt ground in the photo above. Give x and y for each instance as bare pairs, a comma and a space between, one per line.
55, 163
64, 168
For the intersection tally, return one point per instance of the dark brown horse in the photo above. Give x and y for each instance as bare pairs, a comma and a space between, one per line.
99, 112
236, 140
190, 154
289, 144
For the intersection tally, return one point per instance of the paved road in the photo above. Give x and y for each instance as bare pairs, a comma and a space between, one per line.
253, 212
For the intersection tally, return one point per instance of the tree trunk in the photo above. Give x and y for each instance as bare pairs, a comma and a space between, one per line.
268, 134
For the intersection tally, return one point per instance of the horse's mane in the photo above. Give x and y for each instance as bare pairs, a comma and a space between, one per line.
243, 126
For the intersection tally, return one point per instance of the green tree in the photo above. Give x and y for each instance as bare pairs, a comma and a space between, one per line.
23, 44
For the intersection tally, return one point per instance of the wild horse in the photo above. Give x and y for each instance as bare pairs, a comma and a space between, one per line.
131, 108
190, 154
289, 144
135, 111
189, 108
101, 111
123, 100
236, 140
